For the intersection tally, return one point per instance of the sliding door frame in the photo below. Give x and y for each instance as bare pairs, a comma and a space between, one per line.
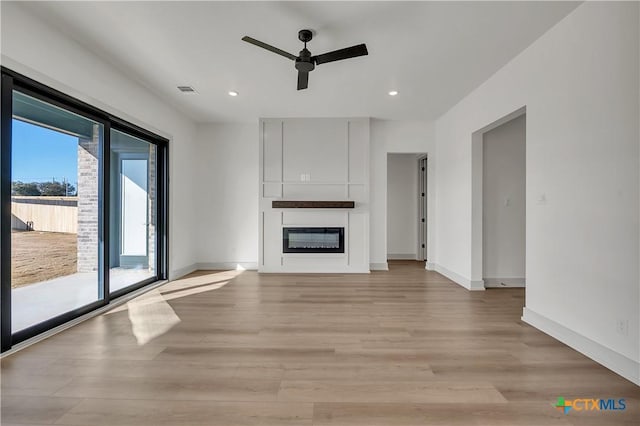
13, 81
161, 201
6, 113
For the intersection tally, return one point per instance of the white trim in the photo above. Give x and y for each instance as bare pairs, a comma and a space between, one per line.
430, 266
477, 285
313, 271
213, 266
504, 282
384, 266
117, 302
401, 256
181, 272
614, 361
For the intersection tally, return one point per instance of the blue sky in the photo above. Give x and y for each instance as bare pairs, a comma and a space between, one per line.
40, 154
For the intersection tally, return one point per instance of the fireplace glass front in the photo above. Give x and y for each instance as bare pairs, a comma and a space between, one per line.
313, 240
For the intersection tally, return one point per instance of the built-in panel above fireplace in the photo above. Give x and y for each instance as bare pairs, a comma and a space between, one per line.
314, 195
312, 240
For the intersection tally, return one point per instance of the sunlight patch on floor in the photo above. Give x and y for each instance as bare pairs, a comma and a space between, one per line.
151, 316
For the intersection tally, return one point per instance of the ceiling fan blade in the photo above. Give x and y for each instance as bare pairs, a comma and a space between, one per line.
303, 80
269, 47
337, 55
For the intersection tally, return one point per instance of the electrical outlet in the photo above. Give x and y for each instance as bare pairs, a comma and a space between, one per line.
622, 327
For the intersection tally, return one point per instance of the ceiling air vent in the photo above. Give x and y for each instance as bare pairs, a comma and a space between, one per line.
186, 89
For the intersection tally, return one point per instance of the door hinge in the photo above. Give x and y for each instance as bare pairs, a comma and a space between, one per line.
423, 219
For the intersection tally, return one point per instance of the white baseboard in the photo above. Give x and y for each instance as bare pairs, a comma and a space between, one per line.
618, 363
379, 266
313, 271
504, 282
459, 279
476, 285
401, 256
181, 272
249, 266
430, 266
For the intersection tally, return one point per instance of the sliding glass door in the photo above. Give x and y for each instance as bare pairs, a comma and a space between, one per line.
84, 199
55, 191
133, 226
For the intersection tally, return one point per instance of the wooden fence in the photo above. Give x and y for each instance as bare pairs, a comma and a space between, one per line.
49, 214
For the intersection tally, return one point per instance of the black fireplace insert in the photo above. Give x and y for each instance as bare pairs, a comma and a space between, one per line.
313, 240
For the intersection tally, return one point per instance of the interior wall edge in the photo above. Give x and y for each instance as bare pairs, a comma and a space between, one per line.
469, 284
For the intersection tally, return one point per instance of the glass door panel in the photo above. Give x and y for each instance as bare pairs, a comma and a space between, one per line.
132, 211
55, 199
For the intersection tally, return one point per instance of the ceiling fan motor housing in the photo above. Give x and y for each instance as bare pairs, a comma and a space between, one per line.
304, 62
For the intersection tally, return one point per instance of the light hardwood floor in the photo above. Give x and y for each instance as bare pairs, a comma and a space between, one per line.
404, 347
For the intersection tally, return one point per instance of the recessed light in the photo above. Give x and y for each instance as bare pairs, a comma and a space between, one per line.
393, 93
233, 93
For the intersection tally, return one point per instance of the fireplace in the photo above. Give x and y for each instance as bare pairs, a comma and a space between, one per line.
313, 240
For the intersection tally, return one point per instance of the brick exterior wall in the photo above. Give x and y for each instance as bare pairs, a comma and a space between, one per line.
88, 155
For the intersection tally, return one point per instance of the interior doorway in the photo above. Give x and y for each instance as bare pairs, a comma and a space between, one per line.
499, 203
407, 207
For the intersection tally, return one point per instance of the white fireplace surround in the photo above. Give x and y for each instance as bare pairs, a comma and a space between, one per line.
314, 159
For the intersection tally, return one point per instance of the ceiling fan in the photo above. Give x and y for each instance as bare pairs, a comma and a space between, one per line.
306, 63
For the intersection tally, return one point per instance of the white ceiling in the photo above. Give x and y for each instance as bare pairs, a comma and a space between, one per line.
433, 53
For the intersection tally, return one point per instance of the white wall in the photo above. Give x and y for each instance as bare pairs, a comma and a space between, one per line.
227, 188
579, 83
503, 194
389, 136
402, 206
215, 162
34, 48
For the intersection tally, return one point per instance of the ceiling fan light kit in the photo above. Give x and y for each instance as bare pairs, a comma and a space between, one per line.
305, 62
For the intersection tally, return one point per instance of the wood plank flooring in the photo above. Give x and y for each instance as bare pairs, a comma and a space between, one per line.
403, 347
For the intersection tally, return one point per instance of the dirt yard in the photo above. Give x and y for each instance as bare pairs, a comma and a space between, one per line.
40, 256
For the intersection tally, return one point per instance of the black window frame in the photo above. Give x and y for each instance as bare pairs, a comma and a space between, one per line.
11, 81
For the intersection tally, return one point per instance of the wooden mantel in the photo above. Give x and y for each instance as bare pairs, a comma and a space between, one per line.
285, 204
